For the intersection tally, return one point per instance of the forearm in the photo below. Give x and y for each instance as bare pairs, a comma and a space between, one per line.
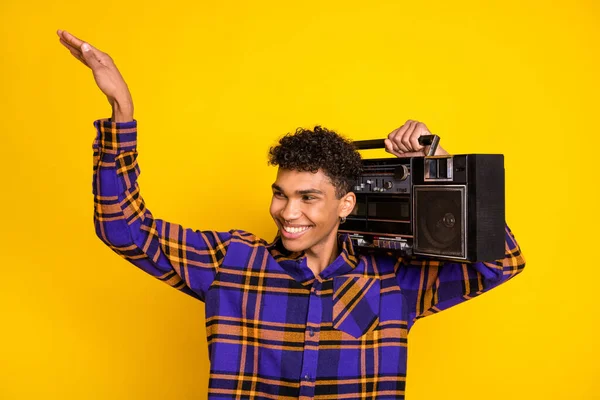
433, 285
121, 218
125, 224
117, 201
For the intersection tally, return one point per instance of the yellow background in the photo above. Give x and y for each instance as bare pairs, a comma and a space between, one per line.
215, 84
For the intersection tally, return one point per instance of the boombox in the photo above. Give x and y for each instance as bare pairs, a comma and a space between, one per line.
446, 207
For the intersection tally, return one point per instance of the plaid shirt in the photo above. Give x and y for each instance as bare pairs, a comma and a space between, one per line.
275, 331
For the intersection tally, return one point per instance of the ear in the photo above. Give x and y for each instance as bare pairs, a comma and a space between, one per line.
347, 203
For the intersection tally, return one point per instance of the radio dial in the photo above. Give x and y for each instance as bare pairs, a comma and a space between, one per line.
388, 185
401, 173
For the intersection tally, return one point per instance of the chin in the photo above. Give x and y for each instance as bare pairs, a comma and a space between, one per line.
293, 246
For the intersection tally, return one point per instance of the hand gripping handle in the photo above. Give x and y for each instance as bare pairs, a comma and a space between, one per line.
425, 140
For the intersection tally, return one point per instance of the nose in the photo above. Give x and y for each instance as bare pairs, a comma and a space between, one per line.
290, 211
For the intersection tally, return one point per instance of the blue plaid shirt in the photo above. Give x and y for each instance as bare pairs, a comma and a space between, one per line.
275, 330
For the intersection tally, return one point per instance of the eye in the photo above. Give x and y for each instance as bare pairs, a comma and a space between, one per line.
307, 197
279, 195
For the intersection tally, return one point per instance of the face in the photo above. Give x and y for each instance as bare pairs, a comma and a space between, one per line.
306, 209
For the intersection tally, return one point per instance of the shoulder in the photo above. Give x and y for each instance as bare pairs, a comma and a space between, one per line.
242, 248
379, 263
246, 238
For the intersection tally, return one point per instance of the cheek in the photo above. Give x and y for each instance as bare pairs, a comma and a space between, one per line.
321, 213
276, 206
272, 208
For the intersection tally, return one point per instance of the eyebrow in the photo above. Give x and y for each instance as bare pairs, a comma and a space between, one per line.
306, 191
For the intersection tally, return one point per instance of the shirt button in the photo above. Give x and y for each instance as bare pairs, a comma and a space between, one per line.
311, 332
307, 377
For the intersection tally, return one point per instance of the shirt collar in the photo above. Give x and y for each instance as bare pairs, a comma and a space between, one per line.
295, 262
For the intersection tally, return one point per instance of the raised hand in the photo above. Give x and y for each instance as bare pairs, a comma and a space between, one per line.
107, 76
404, 141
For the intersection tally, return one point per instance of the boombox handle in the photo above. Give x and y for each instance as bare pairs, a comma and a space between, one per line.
425, 140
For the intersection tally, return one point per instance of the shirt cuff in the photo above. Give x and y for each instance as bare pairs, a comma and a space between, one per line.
120, 136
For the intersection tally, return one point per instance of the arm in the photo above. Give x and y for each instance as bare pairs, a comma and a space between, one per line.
430, 286
185, 259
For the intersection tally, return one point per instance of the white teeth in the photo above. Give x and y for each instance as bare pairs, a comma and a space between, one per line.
293, 229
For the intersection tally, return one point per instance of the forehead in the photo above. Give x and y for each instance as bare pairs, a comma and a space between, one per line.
291, 180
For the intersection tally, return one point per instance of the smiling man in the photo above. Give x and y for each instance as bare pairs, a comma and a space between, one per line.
312, 192
304, 316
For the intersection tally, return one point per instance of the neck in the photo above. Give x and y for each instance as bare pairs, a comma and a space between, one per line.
321, 255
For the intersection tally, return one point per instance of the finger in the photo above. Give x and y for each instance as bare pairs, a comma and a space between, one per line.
391, 137
420, 130
395, 137
390, 148
396, 133
392, 133
74, 52
399, 145
400, 154
72, 40
69, 47
83, 47
80, 58
405, 139
400, 139
89, 54
412, 154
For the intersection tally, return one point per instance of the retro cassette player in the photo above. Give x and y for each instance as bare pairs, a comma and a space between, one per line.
446, 207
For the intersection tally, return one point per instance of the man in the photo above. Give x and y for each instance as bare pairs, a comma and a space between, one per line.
302, 317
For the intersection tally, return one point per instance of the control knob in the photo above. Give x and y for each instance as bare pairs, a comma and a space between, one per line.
401, 173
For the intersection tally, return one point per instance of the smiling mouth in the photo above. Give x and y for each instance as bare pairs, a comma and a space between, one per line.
295, 229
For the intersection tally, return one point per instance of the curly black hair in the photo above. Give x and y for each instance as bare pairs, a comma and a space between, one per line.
319, 149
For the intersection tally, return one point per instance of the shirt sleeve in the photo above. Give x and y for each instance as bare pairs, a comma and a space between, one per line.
184, 258
430, 285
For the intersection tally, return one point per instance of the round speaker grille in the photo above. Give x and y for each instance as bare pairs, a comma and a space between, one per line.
439, 215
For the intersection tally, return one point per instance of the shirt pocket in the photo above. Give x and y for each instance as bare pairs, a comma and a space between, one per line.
355, 304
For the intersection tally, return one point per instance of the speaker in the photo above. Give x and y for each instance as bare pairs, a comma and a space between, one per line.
440, 226
458, 206
445, 207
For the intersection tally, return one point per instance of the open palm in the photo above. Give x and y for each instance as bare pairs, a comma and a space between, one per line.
106, 74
